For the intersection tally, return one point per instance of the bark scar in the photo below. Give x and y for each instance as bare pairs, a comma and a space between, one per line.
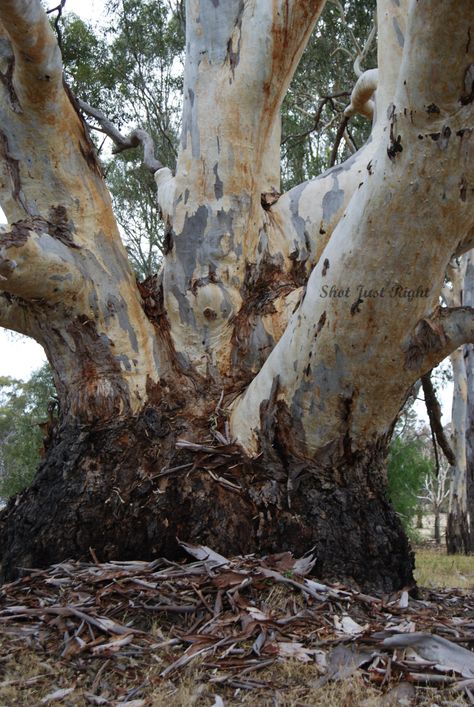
13, 167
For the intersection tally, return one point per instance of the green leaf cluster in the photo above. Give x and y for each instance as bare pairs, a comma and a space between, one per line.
24, 406
408, 467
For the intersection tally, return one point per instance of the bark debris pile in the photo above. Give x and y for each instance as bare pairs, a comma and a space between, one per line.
236, 617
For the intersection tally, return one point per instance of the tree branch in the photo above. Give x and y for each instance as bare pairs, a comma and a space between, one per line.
362, 93
434, 413
38, 65
121, 143
437, 336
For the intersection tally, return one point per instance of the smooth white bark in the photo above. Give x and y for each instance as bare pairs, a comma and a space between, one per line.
341, 354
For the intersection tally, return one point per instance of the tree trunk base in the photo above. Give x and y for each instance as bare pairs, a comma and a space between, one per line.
126, 492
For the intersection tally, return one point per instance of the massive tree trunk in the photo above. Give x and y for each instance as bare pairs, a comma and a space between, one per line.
244, 397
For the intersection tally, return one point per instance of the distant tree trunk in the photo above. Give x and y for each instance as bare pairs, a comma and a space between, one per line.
419, 518
246, 396
469, 365
458, 532
437, 526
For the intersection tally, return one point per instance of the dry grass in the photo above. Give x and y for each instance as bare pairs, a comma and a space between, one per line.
294, 687
434, 568
31, 676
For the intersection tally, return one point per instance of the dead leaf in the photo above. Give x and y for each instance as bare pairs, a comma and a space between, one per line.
342, 663
446, 655
202, 552
57, 695
305, 564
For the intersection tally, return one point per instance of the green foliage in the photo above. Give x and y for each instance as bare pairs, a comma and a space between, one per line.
408, 467
320, 90
23, 407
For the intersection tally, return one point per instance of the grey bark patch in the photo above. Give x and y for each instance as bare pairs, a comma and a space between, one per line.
60, 278
398, 32
117, 306
218, 184
125, 361
332, 200
191, 125
186, 313
234, 56
190, 239
218, 23
298, 221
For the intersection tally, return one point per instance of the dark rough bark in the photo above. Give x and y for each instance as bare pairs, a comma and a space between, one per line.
89, 494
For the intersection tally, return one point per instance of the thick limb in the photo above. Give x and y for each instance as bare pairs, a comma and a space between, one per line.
234, 85
63, 254
323, 367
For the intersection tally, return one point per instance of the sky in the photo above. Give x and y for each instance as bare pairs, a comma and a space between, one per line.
20, 356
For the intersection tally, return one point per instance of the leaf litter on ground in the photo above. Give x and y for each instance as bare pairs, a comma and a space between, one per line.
237, 617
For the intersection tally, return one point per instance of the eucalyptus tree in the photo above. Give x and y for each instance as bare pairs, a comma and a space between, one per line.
246, 396
460, 530
27, 411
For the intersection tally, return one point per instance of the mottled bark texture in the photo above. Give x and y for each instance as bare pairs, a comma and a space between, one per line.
282, 334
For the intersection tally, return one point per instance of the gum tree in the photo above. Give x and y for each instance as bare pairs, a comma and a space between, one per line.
244, 397
459, 529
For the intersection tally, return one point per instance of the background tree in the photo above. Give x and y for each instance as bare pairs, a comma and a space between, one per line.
407, 468
25, 410
313, 110
233, 400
